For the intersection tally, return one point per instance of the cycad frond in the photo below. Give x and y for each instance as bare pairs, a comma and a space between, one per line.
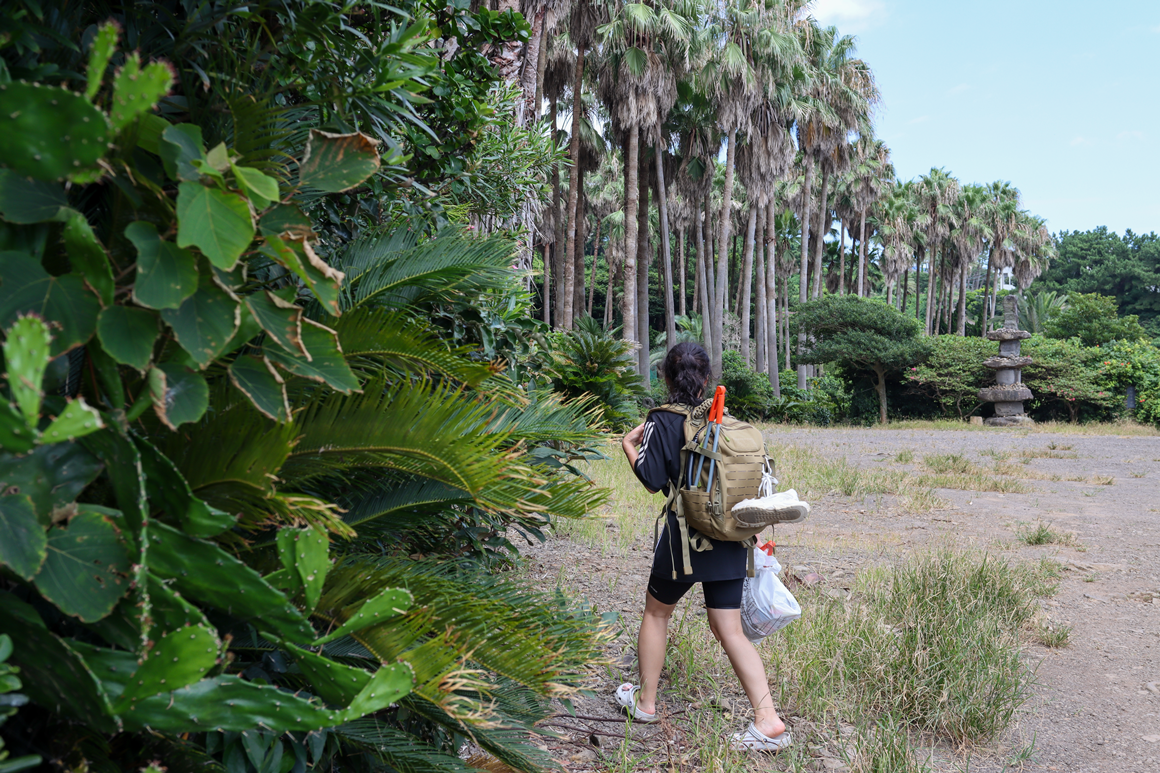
401, 750
402, 507
395, 339
546, 417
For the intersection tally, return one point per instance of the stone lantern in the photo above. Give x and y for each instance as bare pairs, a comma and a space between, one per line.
1008, 393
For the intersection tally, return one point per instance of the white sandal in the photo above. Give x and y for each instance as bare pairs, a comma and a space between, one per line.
625, 696
753, 740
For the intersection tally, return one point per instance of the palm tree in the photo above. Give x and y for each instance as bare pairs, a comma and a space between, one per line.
560, 64
871, 177
969, 233
639, 88
935, 193
1037, 310
1001, 215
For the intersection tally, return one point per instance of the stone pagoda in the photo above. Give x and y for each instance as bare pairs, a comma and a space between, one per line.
1008, 393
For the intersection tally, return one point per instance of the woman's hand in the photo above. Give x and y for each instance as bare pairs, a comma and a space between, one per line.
630, 443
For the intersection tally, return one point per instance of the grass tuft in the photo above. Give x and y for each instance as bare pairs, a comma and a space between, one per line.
1052, 635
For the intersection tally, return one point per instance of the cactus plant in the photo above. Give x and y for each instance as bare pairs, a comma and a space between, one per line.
176, 659
9, 701
76, 420
52, 476
389, 603
86, 254
49, 133
26, 346
169, 493
136, 89
203, 571
104, 44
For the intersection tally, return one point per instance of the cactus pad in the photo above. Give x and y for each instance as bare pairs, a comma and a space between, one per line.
177, 659
26, 356
137, 89
104, 44
49, 133
203, 571
390, 603
87, 256
169, 492
76, 420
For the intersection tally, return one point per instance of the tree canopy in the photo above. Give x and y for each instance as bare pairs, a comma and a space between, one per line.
1093, 319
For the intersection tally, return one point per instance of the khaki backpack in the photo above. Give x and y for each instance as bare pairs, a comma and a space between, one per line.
740, 459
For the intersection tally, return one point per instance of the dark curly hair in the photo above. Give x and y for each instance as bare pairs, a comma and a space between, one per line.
686, 371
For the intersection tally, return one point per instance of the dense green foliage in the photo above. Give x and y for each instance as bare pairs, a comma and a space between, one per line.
1093, 319
588, 361
1126, 268
861, 334
235, 447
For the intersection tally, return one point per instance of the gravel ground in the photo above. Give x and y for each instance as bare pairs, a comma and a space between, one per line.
1096, 705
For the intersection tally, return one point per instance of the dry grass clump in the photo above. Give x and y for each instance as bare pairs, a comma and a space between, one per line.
1041, 533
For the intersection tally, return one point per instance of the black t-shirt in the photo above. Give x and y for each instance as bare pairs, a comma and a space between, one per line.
657, 466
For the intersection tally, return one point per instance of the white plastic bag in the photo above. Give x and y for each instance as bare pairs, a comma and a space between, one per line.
766, 604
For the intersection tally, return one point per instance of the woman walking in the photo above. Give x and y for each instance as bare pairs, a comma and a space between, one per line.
654, 453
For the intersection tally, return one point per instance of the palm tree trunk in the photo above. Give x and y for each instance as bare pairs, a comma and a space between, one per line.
921, 252
841, 258
820, 239
581, 240
963, 301
930, 299
558, 209
608, 296
703, 279
573, 194
631, 202
643, 260
805, 267
666, 256
684, 266
541, 66
595, 260
785, 326
547, 310
983, 316
531, 77
723, 254
698, 248
862, 267
745, 283
771, 300
760, 332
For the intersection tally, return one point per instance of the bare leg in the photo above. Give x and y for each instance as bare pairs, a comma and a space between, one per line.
726, 626
650, 650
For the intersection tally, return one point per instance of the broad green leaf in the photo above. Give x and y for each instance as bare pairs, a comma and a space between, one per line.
76, 420
261, 188
338, 162
218, 157
180, 395
128, 335
216, 222
62, 301
299, 257
168, 491
287, 220
256, 378
86, 569
24, 200
87, 256
26, 346
52, 475
205, 322
166, 274
180, 146
23, 547
282, 321
149, 131
326, 362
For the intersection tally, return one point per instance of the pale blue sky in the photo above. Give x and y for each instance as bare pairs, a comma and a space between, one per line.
1060, 98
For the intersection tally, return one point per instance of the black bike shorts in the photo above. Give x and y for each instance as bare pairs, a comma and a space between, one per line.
719, 594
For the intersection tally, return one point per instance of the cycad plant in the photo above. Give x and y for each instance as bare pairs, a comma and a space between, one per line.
247, 491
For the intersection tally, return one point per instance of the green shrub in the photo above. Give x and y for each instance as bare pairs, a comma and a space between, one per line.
1094, 320
1067, 376
749, 394
600, 365
953, 374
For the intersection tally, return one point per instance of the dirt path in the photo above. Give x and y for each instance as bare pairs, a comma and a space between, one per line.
1096, 706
